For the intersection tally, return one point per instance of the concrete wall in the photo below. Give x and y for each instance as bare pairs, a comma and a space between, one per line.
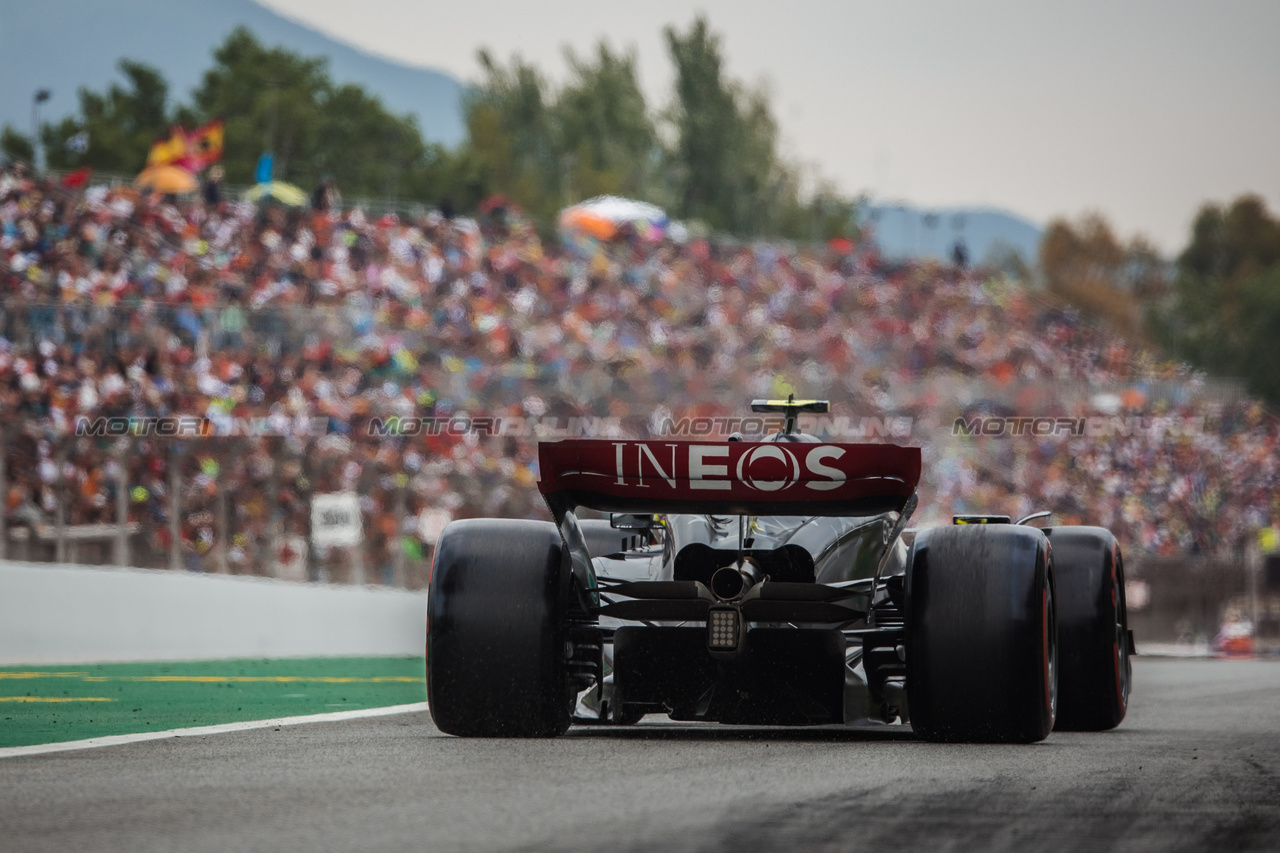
72, 614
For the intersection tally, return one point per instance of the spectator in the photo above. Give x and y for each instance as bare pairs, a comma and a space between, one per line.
322, 198
213, 187
116, 304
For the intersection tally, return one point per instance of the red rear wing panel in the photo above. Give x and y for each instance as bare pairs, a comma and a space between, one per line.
730, 478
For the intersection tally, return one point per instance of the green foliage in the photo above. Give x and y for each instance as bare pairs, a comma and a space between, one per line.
121, 122
270, 99
726, 167
729, 172
605, 133
1225, 311
712, 155
1258, 356
510, 148
1229, 244
273, 99
14, 146
547, 148
707, 121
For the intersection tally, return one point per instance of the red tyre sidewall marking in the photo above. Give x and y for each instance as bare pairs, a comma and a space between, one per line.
1044, 642
431, 571
1115, 644
1119, 688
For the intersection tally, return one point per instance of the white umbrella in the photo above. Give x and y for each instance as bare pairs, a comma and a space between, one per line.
618, 209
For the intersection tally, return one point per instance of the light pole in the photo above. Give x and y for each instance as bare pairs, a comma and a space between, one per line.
37, 149
930, 223
960, 250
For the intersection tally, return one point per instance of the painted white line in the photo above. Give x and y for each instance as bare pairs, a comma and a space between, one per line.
200, 731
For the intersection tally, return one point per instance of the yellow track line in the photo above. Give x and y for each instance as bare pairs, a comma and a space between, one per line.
201, 731
55, 699
222, 679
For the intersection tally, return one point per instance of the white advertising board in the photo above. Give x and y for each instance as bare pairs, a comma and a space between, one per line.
335, 519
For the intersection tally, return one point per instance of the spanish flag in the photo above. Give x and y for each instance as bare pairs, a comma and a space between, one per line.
204, 145
193, 151
169, 150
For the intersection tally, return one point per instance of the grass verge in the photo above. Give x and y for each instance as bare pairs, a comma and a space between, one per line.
49, 704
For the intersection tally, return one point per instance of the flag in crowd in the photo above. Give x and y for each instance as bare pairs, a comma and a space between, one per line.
79, 143
194, 150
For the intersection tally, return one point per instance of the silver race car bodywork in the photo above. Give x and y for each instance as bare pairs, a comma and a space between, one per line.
769, 583
860, 559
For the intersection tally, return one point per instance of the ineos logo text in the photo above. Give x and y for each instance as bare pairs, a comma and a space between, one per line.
764, 468
772, 460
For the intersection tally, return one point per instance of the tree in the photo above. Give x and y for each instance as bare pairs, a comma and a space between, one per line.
121, 123
1257, 358
606, 138
510, 146
1087, 265
270, 101
1087, 252
15, 146
707, 124
274, 100
544, 147
1225, 311
724, 166
1229, 244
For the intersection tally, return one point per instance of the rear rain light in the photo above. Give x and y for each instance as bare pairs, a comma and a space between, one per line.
722, 629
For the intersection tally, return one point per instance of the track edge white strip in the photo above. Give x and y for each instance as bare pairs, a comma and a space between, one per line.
201, 731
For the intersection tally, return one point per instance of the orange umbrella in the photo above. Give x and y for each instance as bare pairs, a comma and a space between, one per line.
601, 217
167, 179
1133, 398
578, 219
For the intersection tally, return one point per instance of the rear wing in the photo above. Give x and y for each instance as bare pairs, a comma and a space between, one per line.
727, 478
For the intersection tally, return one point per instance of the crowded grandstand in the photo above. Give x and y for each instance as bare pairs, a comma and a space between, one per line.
305, 338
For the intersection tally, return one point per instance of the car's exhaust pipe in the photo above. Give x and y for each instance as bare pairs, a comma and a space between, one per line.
732, 582
728, 583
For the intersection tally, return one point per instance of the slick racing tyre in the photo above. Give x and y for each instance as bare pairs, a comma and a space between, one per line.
496, 616
981, 640
1094, 668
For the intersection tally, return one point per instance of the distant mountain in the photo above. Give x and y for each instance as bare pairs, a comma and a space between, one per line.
903, 231
62, 45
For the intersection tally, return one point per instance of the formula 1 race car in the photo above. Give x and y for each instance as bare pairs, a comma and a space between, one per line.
770, 583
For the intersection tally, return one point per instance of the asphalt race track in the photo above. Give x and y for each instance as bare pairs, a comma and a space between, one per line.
1195, 766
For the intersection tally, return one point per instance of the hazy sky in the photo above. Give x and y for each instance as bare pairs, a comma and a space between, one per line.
1141, 110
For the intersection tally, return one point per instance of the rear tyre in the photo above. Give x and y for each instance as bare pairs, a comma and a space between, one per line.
981, 639
496, 635
1095, 672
